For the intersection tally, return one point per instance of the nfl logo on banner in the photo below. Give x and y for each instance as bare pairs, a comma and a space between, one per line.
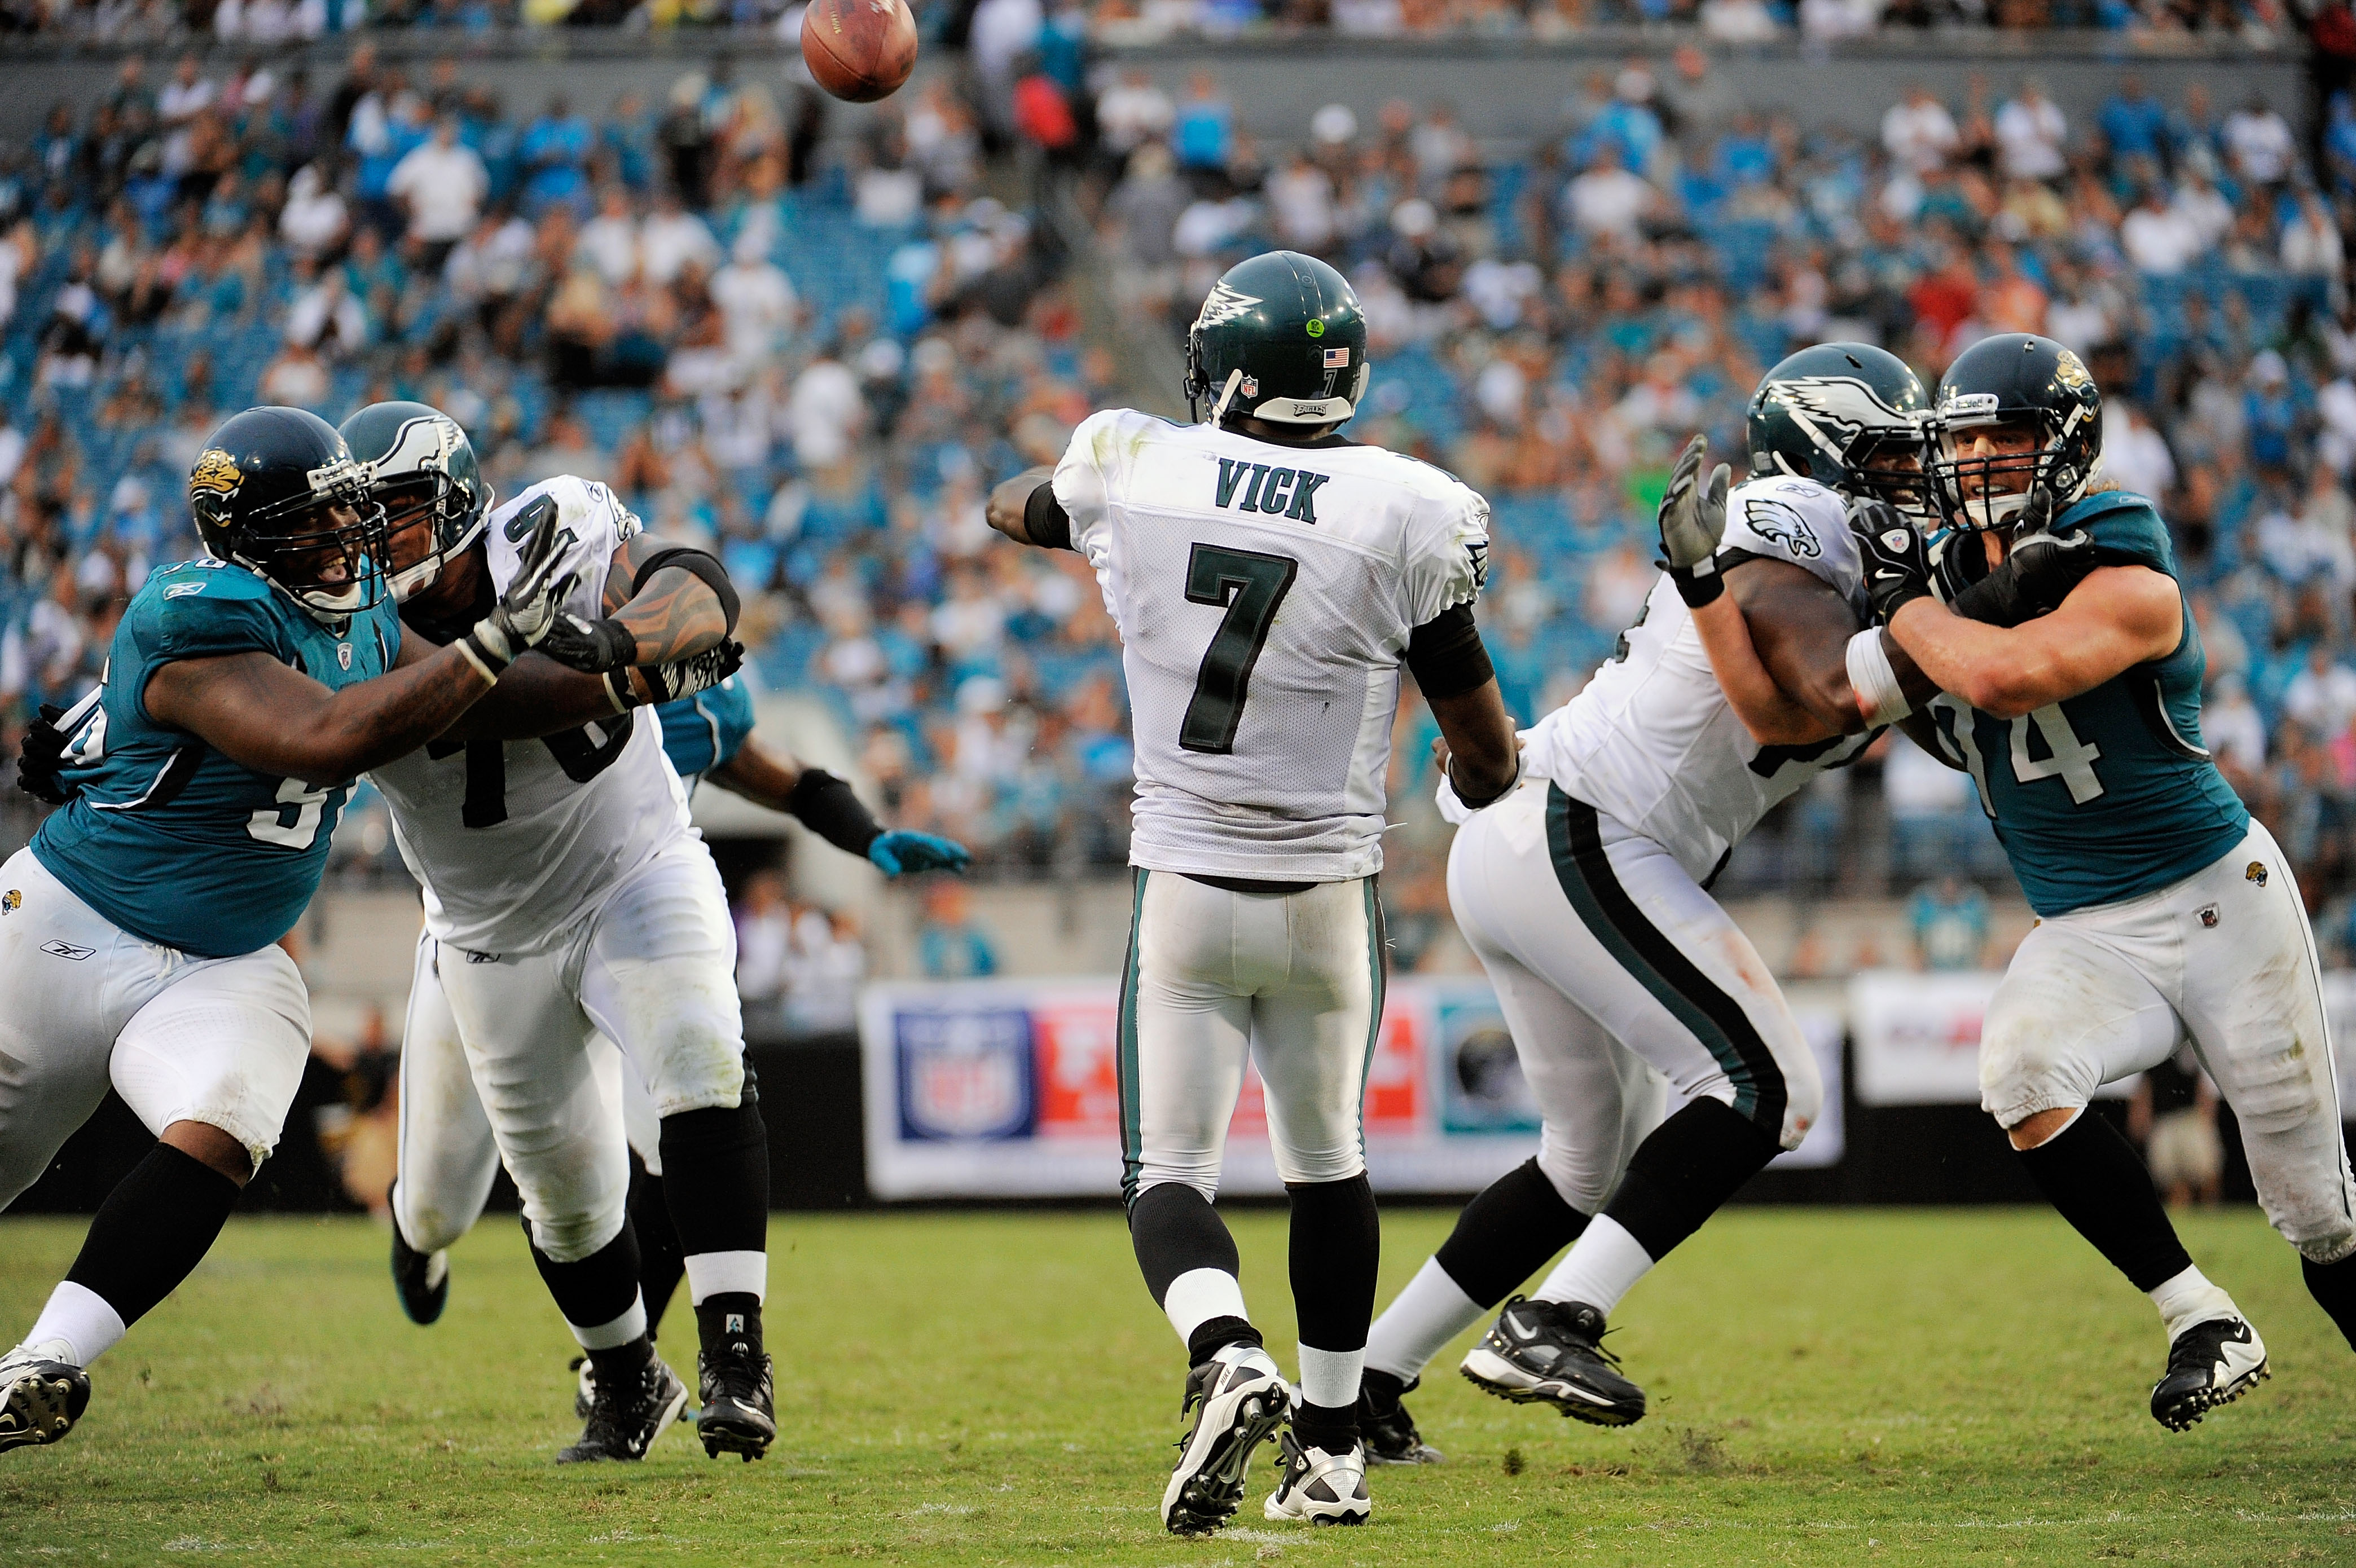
966, 1073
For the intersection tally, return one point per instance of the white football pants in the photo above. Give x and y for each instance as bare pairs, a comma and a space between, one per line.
509, 1046
183, 1039
1582, 921
2224, 958
1292, 982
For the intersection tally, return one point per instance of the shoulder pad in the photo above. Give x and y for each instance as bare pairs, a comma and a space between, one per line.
2128, 529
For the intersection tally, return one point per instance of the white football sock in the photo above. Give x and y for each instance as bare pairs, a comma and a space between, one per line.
1418, 1325
2188, 1298
79, 1318
722, 1274
1200, 1295
629, 1326
1601, 1266
1330, 1378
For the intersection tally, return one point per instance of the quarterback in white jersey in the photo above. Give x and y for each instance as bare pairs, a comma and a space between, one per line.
566, 897
1268, 579
1585, 895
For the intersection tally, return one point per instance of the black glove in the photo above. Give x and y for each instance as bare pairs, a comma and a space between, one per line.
42, 759
681, 678
2038, 572
1897, 570
595, 647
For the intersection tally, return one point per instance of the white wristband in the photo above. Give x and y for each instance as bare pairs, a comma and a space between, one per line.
1879, 696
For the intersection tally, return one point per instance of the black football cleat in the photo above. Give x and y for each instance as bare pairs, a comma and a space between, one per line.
1385, 1428
1238, 1399
739, 1413
422, 1280
41, 1396
1320, 1487
2208, 1364
1551, 1352
624, 1422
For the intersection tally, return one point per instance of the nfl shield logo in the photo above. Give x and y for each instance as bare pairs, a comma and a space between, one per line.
344, 654
966, 1074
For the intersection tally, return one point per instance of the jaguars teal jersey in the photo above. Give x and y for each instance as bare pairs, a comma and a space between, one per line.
2107, 794
167, 839
703, 731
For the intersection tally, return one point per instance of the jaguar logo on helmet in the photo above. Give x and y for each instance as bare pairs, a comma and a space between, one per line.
215, 473
2071, 371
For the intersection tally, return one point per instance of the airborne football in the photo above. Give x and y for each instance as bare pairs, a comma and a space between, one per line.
1357, 780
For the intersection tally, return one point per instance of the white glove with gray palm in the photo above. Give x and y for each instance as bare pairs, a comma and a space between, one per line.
1693, 520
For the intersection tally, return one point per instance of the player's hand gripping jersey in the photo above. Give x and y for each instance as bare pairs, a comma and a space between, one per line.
702, 732
1652, 741
2109, 793
166, 837
1265, 594
512, 841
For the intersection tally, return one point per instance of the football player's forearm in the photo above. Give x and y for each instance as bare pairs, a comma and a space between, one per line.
1998, 670
764, 778
1800, 629
536, 696
1008, 502
673, 615
1481, 747
264, 715
1771, 718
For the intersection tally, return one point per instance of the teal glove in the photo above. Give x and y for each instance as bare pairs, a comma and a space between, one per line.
900, 850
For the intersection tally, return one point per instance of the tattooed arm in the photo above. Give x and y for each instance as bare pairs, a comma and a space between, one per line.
663, 603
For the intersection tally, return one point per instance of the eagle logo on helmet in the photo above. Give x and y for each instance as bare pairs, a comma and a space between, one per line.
1225, 305
423, 445
1835, 410
215, 473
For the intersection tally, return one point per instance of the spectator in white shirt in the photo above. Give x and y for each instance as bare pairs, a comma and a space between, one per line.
327, 317
186, 96
2206, 206
314, 220
609, 241
823, 412
441, 182
2028, 133
2158, 239
2234, 729
672, 237
2310, 240
757, 300
1738, 21
1919, 134
2134, 451
1132, 112
2259, 143
1607, 199
1301, 197
2322, 696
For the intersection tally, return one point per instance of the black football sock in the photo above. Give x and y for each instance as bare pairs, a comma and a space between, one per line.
1506, 1234
1684, 1170
153, 1230
1175, 1231
2333, 1286
661, 1262
715, 1183
598, 1295
1335, 1247
2094, 1179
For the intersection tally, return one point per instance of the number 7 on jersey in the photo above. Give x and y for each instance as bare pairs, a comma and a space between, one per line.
1251, 586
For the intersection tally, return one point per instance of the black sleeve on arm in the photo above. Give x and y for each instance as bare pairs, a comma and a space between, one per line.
699, 563
1045, 519
826, 806
1446, 657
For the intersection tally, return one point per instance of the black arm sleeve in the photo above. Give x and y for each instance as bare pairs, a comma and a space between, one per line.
825, 806
698, 563
1045, 519
1445, 654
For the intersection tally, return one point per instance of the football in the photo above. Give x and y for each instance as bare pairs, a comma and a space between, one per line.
859, 50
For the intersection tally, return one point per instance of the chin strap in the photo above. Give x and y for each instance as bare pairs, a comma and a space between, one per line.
1219, 408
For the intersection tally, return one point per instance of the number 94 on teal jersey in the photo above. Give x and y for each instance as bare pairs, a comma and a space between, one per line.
167, 839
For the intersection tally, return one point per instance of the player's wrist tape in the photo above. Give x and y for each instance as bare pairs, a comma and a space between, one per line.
1879, 697
1699, 583
487, 648
826, 805
1045, 521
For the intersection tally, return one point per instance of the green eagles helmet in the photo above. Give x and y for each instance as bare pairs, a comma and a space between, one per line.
1280, 338
2015, 379
422, 470
277, 492
1850, 416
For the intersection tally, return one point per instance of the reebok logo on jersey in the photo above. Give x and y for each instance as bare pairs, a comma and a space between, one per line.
1272, 492
182, 590
67, 950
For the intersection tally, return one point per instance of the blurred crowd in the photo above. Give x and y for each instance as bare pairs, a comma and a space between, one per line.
270, 22
818, 361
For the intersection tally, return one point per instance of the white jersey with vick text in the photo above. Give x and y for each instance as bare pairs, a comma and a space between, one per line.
1265, 594
1653, 741
514, 840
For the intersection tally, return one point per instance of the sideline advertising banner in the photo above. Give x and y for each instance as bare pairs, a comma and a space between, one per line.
1010, 1089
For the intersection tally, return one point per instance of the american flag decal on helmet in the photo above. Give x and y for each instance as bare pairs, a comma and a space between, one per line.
1337, 358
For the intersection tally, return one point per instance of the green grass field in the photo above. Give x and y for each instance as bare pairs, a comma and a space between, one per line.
996, 1388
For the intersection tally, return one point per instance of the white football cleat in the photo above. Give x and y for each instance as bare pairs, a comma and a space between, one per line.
1243, 1400
1322, 1488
